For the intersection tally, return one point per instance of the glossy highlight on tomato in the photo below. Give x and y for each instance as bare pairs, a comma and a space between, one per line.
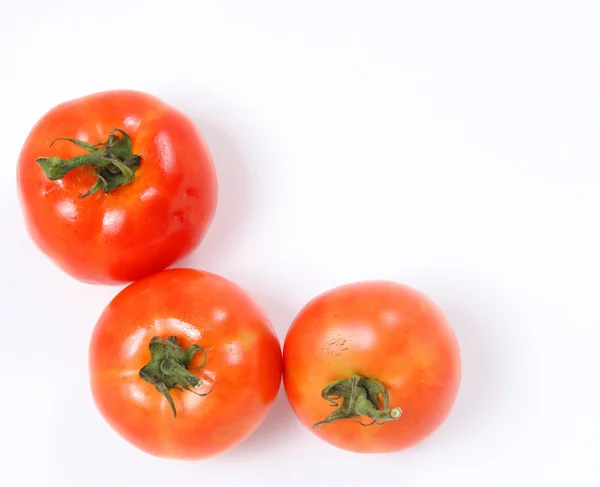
115, 186
184, 364
371, 366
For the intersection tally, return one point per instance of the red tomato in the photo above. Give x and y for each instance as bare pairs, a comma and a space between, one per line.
184, 364
115, 186
372, 353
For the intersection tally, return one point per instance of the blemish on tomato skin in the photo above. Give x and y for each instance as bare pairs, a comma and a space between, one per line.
179, 215
191, 191
335, 345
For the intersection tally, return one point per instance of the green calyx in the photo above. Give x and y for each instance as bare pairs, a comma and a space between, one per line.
362, 397
114, 162
168, 365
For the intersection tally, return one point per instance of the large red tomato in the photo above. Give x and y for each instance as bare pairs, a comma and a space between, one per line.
184, 364
371, 366
115, 186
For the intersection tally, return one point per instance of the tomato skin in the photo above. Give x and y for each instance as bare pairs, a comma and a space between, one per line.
380, 330
243, 367
139, 228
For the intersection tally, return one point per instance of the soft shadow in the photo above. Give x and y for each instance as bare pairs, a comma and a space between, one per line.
274, 432
234, 199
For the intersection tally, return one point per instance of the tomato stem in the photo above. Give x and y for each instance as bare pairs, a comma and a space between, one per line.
114, 162
362, 397
167, 368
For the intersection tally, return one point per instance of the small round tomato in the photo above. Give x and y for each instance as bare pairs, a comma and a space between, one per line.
371, 366
115, 186
184, 364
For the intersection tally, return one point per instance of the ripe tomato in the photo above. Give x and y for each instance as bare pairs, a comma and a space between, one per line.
115, 186
372, 353
184, 364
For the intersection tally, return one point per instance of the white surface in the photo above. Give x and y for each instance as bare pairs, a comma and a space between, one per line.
452, 146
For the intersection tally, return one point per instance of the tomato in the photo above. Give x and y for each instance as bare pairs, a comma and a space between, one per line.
371, 366
184, 364
115, 186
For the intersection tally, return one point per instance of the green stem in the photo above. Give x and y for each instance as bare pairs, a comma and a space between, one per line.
361, 397
167, 368
114, 162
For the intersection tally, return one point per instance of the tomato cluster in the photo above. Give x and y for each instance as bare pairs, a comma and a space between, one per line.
117, 186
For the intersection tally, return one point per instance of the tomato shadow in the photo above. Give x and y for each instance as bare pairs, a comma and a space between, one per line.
234, 205
273, 433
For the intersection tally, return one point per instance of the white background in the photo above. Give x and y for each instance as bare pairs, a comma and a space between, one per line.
453, 146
